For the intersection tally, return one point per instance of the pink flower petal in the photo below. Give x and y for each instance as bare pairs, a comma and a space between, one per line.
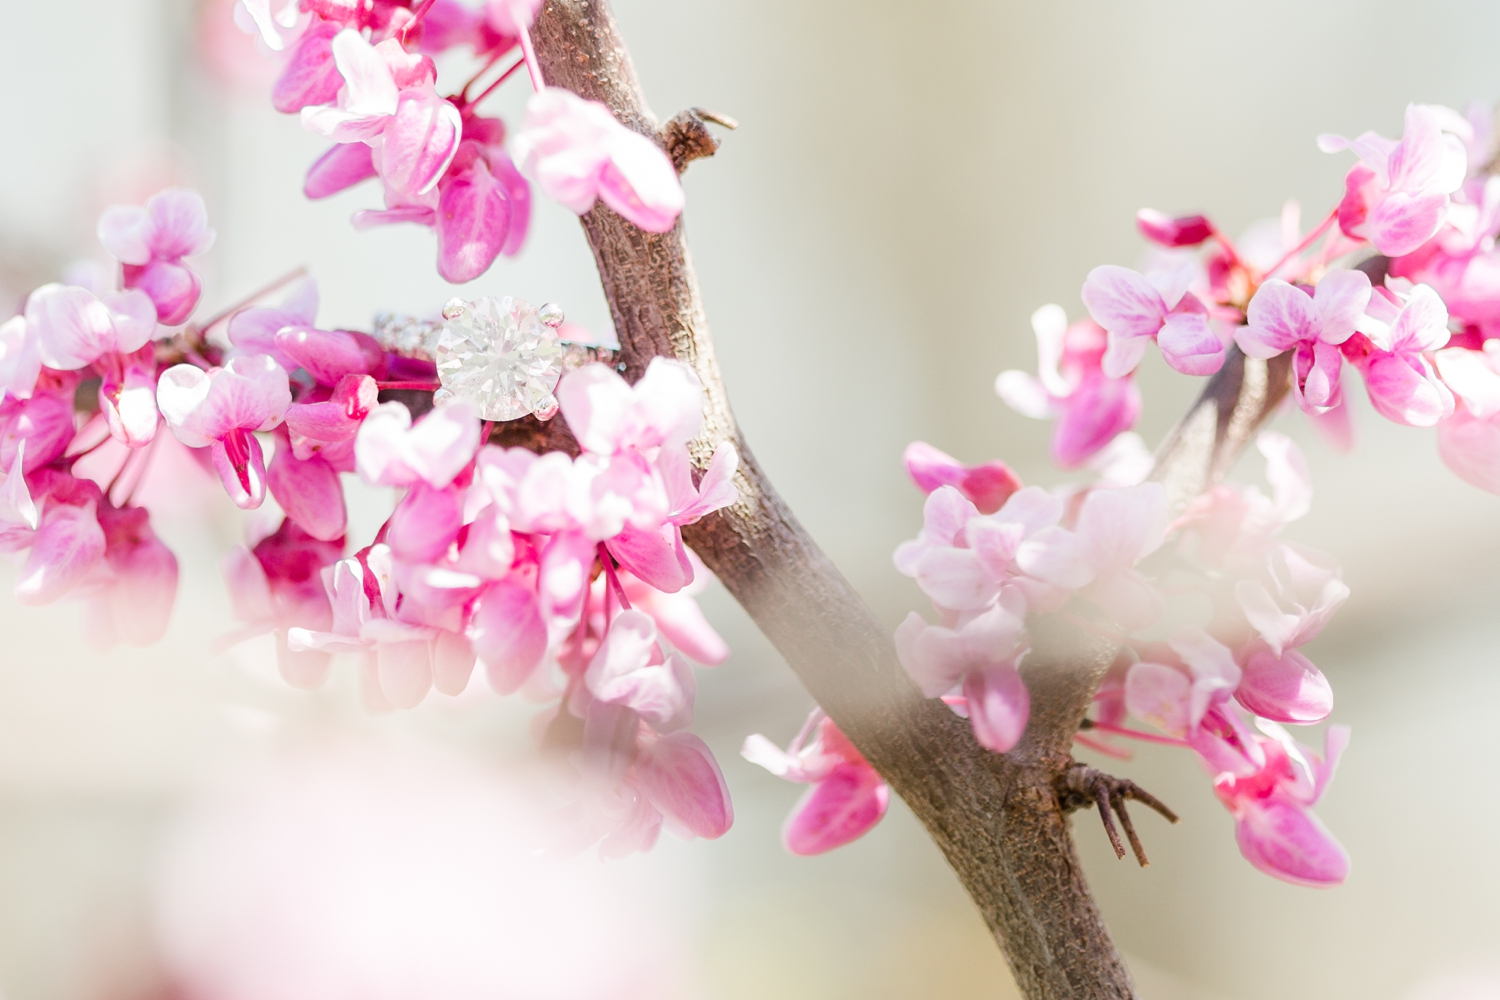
1470, 447
473, 222
64, 553
999, 706
339, 169
310, 493
310, 76
680, 777
1189, 345
508, 635
1291, 844
1123, 302
1287, 688
843, 807
419, 142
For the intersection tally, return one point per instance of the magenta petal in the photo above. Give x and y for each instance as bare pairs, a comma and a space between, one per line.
1403, 222
329, 355
1123, 301
657, 557
842, 807
241, 466
1284, 689
64, 553
310, 493
452, 663
1098, 411
1189, 345
1400, 392
425, 523
172, 287
343, 166
45, 423
404, 668
145, 587
680, 777
508, 635
1470, 447
419, 142
518, 195
999, 706
1288, 842
311, 76
473, 223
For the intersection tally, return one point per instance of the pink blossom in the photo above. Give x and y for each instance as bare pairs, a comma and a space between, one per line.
577, 153
308, 490
1114, 529
1285, 687
509, 634
18, 511
1175, 687
127, 396
1397, 195
1091, 408
680, 778
68, 546
987, 486
658, 555
1392, 356
1270, 796
328, 427
1284, 317
278, 585
253, 331
151, 241
330, 355
483, 210
44, 422
1184, 231
310, 76
390, 451
677, 615
135, 604
630, 670
220, 409
964, 560
608, 415
254, 16
1297, 596
20, 359
1469, 440
848, 796
73, 327
342, 167
1135, 308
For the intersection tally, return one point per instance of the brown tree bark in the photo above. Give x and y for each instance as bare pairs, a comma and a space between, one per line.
1001, 820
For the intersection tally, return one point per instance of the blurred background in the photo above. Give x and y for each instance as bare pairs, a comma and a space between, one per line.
903, 192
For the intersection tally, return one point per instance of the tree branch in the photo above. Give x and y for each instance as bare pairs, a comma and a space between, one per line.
999, 819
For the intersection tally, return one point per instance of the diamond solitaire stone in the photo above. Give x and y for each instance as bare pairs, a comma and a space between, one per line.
499, 356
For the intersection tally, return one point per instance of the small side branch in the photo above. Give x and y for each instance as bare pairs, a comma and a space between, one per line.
1081, 786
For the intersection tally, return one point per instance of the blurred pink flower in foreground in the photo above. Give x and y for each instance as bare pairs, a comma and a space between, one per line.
397, 875
847, 798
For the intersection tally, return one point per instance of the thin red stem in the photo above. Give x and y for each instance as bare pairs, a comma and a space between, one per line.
1227, 244
533, 67
424, 386
1099, 746
470, 105
420, 13
608, 562
463, 95
1307, 241
229, 311
1136, 734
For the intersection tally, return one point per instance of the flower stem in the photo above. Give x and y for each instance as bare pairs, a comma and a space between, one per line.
533, 67
1136, 734
1307, 241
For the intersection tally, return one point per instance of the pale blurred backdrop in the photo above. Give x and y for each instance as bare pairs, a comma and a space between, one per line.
909, 182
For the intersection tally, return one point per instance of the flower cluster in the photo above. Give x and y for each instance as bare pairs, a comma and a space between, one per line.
1109, 555
566, 576
1413, 319
363, 76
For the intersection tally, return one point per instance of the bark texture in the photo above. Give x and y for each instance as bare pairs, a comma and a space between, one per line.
998, 819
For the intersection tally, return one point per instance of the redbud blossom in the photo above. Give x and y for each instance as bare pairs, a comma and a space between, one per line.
151, 241
577, 152
848, 796
1090, 407
220, 409
1397, 195
987, 486
1283, 317
1136, 309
